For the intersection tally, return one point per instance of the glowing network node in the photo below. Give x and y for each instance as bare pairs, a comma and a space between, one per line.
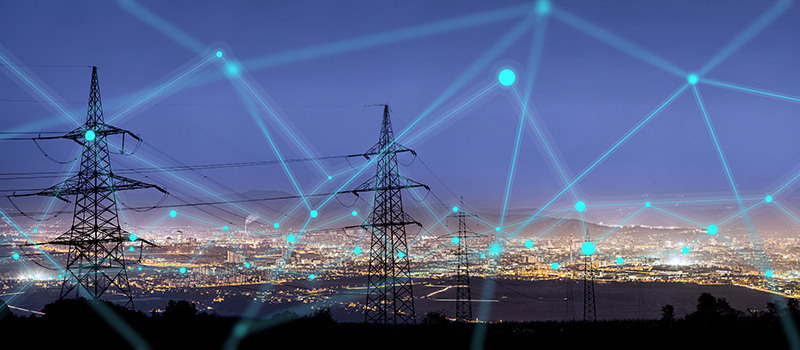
357, 250
497, 228
225, 227
685, 250
314, 213
183, 270
140, 269
89, 135
15, 256
712, 229
246, 264
131, 249
455, 209
354, 213
580, 206
692, 78
543, 7
276, 225
768, 199
483, 256
529, 244
506, 77
133, 238
62, 276
647, 204
620, 261
455, 240
312, 276
401, 255
219, 53
173, 213
587, 248
495, 248
34, 230
555, 266
330, 177
290, 238
768, 273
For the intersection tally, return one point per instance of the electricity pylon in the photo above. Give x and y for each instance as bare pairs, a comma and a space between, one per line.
463, 292
589, 307
95, 260
390, 299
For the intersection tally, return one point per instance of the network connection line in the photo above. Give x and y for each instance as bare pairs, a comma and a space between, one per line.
162, 88
750, 90
35, 87
512, 169
608, 152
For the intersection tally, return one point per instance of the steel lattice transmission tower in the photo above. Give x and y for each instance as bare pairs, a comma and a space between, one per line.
463, 292
589, 307
390, 299
95, 261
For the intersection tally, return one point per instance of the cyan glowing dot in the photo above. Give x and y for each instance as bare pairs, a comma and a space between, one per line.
768, 199
15, 255
543, 7
173, 213
357, 250
62, 276
183, 270
529, 244
131, 249
768, 273
555, 266
685, 250
140, 269
455, 209
312, 276
580, 206
354, 213
497, 228
506, 77
401, 255
587, 248
314, 213
219, 53
89, 135
692, 78
620, 261
34, 230
495, 248
647, 204
276, 225
483, 256
712, 229
290, 238
330, 177
455, 240
246, 264
225, 227
132, 238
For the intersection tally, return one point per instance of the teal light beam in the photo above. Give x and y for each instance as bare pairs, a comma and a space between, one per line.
787, 212
619, 225
512, 169
750, 90
673, 202
544, 142
162, 88
162, 25
740, 213
274, 115
615, 41
58, 191
628, 135
37, 88
766, 18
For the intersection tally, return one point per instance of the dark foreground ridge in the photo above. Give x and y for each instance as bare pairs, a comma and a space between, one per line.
714, 325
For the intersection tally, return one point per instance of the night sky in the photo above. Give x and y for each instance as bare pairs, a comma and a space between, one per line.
586, 94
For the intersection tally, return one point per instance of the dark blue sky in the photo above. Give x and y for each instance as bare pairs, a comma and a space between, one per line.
587, 93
